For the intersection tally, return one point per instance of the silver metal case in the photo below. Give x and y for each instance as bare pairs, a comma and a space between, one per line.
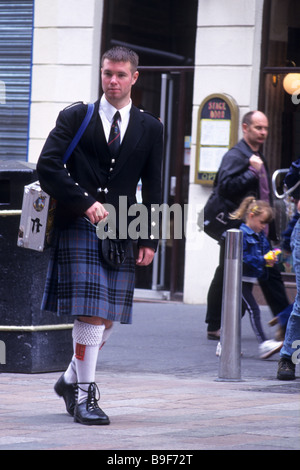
36, 223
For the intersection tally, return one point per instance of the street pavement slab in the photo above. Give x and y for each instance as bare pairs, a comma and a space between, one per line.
160, 387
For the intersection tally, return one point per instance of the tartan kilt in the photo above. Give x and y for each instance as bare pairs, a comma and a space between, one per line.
78, 282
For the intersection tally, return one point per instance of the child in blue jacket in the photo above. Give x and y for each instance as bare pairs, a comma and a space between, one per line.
256, 215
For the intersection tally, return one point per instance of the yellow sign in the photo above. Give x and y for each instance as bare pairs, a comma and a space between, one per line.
217, 131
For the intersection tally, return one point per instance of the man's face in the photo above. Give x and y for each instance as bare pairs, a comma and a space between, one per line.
256, 133
117, 79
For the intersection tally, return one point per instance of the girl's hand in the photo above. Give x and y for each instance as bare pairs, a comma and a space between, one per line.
271, 262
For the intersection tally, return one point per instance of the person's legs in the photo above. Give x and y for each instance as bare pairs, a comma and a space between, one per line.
267, 347
214, 299
89, 335
70, 374
286, 365
288, 354
78, 291
254, 311
87, 338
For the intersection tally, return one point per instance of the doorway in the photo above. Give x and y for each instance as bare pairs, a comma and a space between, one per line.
281, 56
163, 33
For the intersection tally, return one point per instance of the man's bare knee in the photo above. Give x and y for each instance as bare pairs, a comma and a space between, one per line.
96, 321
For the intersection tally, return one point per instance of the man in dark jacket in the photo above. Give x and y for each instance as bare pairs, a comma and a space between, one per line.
244, 172
79, 281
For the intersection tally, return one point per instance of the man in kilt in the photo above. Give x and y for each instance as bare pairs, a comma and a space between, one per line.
79, 280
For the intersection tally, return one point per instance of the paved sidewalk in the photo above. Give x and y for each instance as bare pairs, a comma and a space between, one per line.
159, 385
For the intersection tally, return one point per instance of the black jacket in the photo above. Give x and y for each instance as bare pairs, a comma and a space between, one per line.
76, 185
236, 181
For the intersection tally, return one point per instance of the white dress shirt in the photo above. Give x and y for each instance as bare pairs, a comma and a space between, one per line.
107, 112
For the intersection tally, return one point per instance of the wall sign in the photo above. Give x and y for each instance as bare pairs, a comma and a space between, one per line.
216, 132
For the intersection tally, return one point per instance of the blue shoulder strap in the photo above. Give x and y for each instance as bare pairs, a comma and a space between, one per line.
79, 133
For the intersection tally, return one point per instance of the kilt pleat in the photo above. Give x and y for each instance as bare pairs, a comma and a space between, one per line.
78, 282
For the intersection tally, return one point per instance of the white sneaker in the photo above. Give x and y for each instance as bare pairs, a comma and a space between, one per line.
269, 347
219, 349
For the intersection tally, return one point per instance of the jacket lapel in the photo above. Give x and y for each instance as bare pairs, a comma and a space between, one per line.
100, 148
131, 138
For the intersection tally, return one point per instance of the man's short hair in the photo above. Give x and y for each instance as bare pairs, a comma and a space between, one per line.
247, 119
122, 54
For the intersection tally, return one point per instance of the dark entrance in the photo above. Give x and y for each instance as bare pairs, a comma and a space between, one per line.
281, 56
163, 33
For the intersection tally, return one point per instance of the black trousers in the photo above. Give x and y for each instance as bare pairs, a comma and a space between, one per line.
272, 288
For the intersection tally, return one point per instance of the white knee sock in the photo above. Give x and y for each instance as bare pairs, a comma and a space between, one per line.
87, 338
106, 335
70, 375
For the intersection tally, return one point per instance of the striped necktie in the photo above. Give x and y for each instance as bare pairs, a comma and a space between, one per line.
114, 136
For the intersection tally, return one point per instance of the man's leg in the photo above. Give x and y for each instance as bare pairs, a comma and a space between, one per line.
214, 299
88, 336
288, 353
67, 385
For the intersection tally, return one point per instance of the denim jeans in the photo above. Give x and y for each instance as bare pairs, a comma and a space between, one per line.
292, 335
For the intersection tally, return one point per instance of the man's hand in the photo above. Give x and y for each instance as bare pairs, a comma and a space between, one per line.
145, 256
96, 212
256, 162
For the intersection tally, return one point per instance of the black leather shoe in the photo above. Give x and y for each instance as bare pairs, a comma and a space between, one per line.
214, 335
68, 392
286, 369
89, 412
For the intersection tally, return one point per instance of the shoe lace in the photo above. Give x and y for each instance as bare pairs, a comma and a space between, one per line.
93, 395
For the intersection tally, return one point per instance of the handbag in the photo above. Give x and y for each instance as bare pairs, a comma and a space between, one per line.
38, 208
214, 219
114, 251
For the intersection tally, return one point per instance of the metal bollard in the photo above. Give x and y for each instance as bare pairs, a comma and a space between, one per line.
230, 358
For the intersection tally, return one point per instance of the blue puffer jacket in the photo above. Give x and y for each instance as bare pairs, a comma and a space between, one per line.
255, 246
292, 178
